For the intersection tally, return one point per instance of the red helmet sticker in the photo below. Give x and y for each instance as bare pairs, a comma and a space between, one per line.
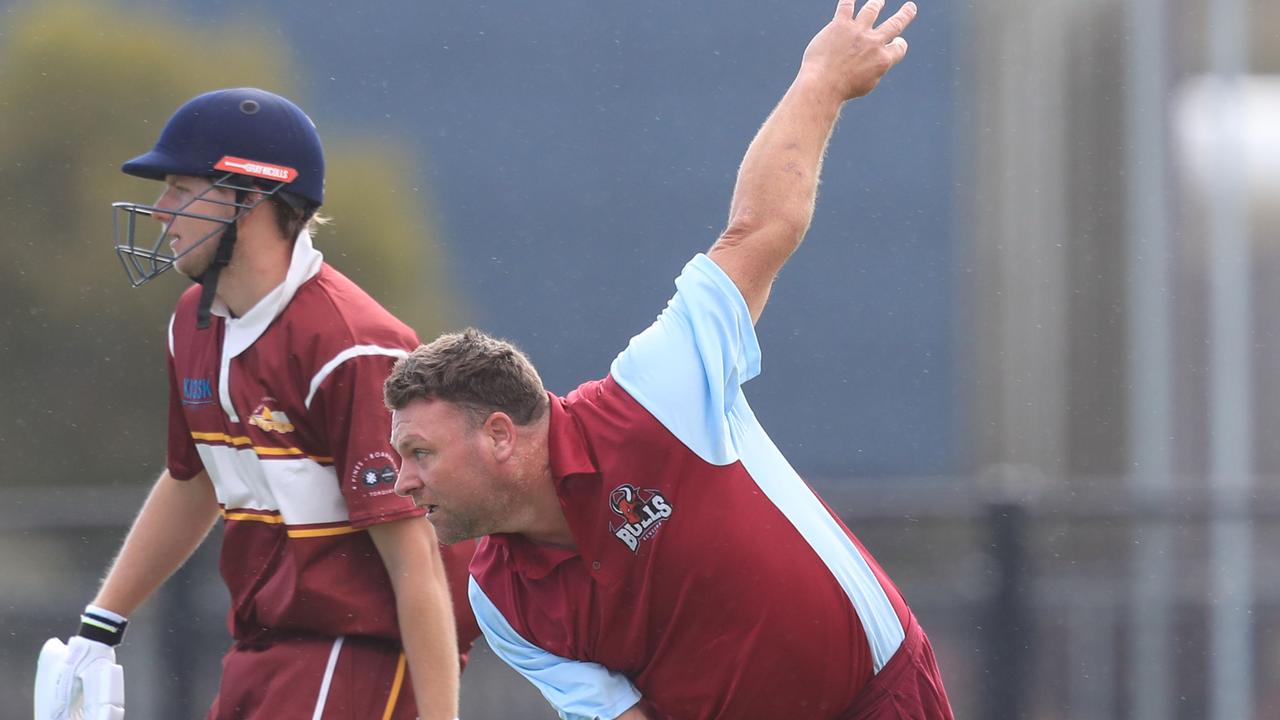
266, 171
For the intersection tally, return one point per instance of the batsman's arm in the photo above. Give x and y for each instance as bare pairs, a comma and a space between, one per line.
81, 677
425, 612
174, 520
777, 183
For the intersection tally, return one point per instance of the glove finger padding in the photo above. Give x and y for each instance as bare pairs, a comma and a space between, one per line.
50, 667
103, 685
78, 681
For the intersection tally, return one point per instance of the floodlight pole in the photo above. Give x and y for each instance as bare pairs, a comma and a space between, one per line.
1153, 591
1230, 377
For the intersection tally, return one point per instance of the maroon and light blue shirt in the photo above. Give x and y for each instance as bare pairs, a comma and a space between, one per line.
708, 579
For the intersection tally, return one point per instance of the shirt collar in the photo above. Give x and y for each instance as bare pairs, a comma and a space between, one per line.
568, 455
530, 559
566, 445
243, 331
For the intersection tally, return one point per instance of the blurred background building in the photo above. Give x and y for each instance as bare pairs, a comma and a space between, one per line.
1026, 350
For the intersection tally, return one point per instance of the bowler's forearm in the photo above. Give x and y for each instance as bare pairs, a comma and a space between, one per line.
778, 180
776, 189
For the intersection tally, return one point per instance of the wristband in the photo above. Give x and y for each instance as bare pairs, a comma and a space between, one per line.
101, 625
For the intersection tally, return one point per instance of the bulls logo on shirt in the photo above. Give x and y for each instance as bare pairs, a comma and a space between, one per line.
642, 513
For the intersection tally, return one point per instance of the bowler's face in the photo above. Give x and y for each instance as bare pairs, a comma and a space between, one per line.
447, 468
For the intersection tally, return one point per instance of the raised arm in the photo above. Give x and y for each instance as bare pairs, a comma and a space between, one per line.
778, 181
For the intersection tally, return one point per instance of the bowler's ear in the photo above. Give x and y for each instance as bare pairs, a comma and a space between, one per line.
500, 432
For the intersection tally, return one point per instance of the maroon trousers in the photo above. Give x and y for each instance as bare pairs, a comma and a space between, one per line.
349, 678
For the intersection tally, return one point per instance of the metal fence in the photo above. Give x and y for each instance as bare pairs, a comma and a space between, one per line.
1028, 602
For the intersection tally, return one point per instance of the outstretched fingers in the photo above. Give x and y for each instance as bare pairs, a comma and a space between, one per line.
866, 17
897, 48
893, 27
844, 9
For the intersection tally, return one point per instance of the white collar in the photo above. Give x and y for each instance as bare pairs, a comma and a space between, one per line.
243, 331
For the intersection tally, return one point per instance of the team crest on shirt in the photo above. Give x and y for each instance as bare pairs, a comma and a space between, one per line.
270, 420
642, 513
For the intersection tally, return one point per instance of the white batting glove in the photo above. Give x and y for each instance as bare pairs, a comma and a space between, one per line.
80, 680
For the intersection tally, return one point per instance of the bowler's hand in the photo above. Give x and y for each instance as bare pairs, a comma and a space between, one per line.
851, 53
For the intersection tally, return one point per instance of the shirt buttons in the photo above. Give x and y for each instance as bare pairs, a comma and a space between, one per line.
595, 564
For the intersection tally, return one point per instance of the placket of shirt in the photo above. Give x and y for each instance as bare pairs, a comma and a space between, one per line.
224, 374
610, 568
589, 539
537, 562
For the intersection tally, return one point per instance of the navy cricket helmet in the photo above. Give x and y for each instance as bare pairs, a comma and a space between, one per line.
258, 128
245, 140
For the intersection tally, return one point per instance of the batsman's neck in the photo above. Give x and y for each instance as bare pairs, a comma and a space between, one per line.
258, 265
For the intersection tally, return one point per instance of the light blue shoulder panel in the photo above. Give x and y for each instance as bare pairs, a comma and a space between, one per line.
687, 368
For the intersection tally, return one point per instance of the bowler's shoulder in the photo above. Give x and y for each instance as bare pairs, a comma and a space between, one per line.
601, 400
613, 422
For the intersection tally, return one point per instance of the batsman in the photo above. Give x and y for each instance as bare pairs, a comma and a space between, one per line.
340, 606
648, 552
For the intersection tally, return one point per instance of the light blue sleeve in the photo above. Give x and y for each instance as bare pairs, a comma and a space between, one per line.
577, 690
687, 368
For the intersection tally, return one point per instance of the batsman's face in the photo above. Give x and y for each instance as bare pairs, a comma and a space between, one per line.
447, 467
195, 237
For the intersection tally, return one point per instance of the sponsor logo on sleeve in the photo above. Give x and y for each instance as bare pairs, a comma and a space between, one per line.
197, 391
375, 474
641, 512
270, 420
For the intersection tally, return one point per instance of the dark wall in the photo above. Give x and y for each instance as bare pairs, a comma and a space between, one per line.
576, 154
